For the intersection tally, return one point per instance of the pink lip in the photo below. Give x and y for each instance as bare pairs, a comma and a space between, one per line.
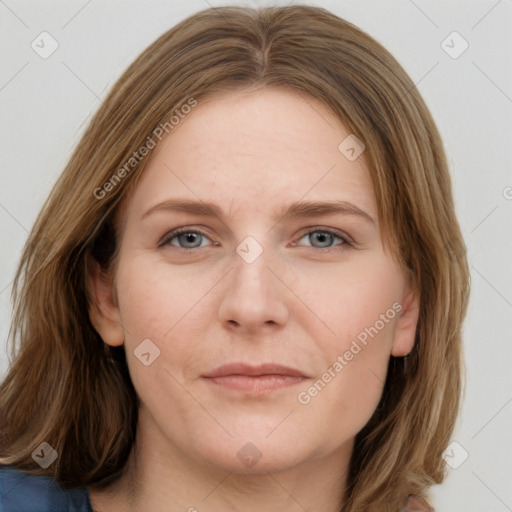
254, 379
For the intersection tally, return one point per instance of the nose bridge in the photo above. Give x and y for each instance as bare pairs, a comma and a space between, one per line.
251, 265
253, 296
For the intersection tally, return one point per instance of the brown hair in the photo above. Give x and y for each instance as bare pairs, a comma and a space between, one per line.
68, 388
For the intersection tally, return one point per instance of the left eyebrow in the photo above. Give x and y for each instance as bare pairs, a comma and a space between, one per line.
297, 210
306, 209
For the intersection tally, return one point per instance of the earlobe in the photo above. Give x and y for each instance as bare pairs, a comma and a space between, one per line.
407, 321
103, 308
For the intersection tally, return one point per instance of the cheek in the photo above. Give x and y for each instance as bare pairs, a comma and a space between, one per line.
359, 311
350, 298
348, 389
154, 301
167, 310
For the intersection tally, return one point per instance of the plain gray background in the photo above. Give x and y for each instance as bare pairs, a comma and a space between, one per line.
46, 103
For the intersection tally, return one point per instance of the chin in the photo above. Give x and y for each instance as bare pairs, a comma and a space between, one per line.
251, 452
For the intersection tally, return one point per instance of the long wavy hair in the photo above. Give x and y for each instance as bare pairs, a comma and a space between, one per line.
65, 386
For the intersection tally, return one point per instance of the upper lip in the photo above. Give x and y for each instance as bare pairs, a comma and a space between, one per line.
253, 370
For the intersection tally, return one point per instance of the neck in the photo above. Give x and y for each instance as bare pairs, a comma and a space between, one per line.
169, 480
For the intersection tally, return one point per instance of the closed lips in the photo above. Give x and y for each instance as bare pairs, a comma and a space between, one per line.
254, 380
253, 371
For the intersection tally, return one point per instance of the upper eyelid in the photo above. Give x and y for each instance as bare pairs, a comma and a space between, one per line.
347, 239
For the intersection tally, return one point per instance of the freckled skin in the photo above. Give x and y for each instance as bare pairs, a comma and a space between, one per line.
300, 303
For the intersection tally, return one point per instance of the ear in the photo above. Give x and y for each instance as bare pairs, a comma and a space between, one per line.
405, 328
103, 309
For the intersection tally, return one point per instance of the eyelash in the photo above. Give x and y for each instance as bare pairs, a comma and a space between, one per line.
346, 242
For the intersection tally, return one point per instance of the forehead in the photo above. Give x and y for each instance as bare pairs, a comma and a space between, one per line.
253, 151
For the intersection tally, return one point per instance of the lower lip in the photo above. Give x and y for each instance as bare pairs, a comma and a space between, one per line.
256, 384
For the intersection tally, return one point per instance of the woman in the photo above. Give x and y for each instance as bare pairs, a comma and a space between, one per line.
246, 290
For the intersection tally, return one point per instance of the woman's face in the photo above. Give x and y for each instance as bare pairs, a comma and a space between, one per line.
279, 273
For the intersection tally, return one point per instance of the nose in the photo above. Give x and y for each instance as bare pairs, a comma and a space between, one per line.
255, 298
